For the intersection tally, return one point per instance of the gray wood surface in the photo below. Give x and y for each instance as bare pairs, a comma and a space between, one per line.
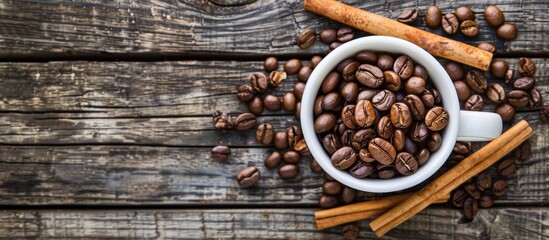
131, 29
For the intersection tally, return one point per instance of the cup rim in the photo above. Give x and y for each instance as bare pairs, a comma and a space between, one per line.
438, 77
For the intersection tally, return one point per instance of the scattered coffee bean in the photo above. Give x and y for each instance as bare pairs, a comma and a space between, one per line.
470, 208
507, 167
306, 38
270, 64
328, 35
276, 77
464, 13
526, 66
299, 87
474, 103
462, 148
343, 158
350, 231
220, 153
291, 156
327, 201
509, 75
500, 187
255, 105
506, 111
507, 31
436, 119
458, 197
523, 151
273, 160
518, 98
315, 167
477, 81
450, 23
472, 190
332, 187
469, 28
264, 133
409, 16
487, 47
345, 34
315, 61
272, 102
334, 45
433, 17
245, 121
524, 83
245, 93
454, 70
304, 73
348, 195
247, 177
259, 82
289, 102
484, 181
486, 201
288, 171
535, 98
496, 93
499, 68
292, 66
493, 16
463, 90
281, 140
544, 113
222, 121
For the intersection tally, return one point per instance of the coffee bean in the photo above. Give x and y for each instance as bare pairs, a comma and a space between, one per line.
493, 16
245, 93
289, 101
523, 151
361, 169
418, 130
247, 177
328, 35
288, 171
385, 171
484, 181
435, 140
415, 85
294, 135
464, 13
477, 81
264, 133
367, 94
220, 153
409, 16
486, 201
507, 167
524, 83
343, 158
404, 66
315, 167
245, 121
349, 92
331, 101
410, 146
327, 201
499, 68
526, 66
506, 111
427, 98
509, 75
450, 23
474, 103
345, 34
470, 208
436, 95
349, 71
302, 148
462, 148
458, 197
399, 140
405, 163
436, 119
255, 105
454, 70
385, 62
361, 138
334, 45
306, 38
385, 128
469, 28
544, 113
332, 187
383, 100
486, 47
297, 110
276, 77
400, 115
366, 57
299, 87
304, 73
420, 71
281, 140
366, 156
369, 75
317, 105
341, 65
382, 151
330, 82
518, 98
222, 121
331, 143
315, 61
507, 31
348, 195
535, 98
273, 160
292, 66
500, 187
496, 93
472, 190
270, 64
348, 116
291, 156
350, 231
463, 90
272, 102
259, 82
422, 156
433, 17
365, 115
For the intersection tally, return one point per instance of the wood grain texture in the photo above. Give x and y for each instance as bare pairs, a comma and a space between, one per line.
61, 29
495, 223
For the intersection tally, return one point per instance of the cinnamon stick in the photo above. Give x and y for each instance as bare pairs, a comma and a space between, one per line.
486, 156
379, 25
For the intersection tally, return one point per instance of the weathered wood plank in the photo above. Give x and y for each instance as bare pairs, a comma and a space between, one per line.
496, 223
61, 29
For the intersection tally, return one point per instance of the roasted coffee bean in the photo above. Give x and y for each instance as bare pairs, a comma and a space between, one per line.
220, 153
455, 158
385, 171
264, 133
343, 158
222, 121
399, 140
292, 66
493, 16
325, 122
392, 80
506, 111
349, 92
366, 57
365, 114
306, 38
288, 171
270, 64
463, 90
464, 13
458, 197
526, 66
304, 73
436, 95
486, 47
328, 35
414, 85
259, 81
272, 102
334, 45
345, 34
349, 71
509, 75
327, 201
385, 128
330, 83
350, 231
332, 187
477, 81
499, 68
347, 138
315, 167
331, 143
247, 177
361, 169
500, 187
328, 177
523, 151
420, 71
348, 195
401, 116
367, 94
366, 156
405, 163
474, 103
273, 160
245, 121
472, 190
419, 132
295, 135
535, 98
524, 83
496, 93
410, 146
385, 62
436, 119
422, 156
454, 70
245, 93
427, 98
544, 113
507, 167
289, 101
382, 151
315, 61
486, 201
348, 116
462, 148
470, 208
361, 138
299, 87
369, 75
469, 28
317, 105
507, 31
383, 100
341, 65
332, 101
433, 17
450, 23
409, 16
435, 140
404, 66
281, 140
255, 105
518, 98
484, 181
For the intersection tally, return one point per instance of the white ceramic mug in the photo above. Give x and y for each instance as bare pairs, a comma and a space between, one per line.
462, 125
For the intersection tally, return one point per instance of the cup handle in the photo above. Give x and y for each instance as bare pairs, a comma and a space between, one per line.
479, 126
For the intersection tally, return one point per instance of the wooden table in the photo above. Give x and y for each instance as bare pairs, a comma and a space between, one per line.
106, 129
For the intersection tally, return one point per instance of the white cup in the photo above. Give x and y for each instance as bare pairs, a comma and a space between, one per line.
462, 125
